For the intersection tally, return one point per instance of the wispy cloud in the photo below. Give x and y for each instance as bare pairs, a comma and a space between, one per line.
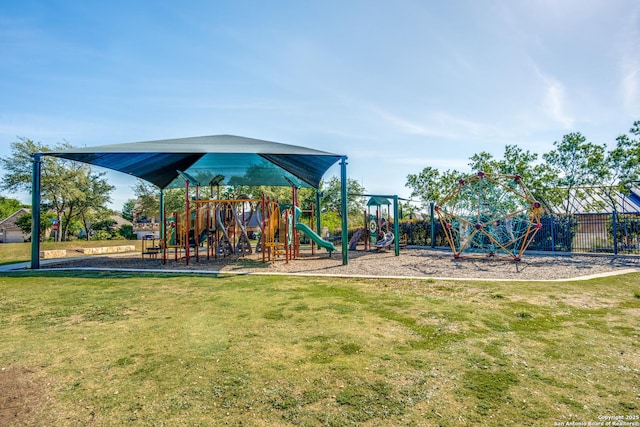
443, 125
630, 87
554, 102
629, 51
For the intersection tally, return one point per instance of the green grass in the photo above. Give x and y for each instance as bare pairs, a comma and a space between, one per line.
21, 252
150, 350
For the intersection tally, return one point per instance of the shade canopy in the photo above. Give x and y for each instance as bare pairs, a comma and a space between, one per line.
239, 160
378, 201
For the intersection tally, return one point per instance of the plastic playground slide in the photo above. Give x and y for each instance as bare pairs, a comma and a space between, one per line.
386, 241
330, 247
312, 234
354, 240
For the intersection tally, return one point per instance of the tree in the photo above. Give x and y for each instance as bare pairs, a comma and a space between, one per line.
147, 204
484, 162
425, 185
126, 231
63, 182
577, 164
96, 194
628, 156
432, 186
24, 223
331, 196
128, 209
619, 171
8, 207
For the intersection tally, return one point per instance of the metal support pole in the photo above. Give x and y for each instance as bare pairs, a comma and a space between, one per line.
553, 233
345, 223
614, 227
186, 224
433, 223
162, 216
396, 225
35, 212
318, 213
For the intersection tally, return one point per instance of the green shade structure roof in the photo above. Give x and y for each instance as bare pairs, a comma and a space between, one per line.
378, 201
240, 160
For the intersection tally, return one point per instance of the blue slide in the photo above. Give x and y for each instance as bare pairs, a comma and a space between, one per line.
330, 247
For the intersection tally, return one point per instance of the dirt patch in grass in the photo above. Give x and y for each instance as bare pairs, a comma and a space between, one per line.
23, 397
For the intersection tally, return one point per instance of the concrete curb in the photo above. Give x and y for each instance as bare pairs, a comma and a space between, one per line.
353, 276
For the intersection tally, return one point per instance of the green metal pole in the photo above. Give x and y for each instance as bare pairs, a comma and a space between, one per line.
345, 222
396, 225
433, 223
318, 213
35, 212
162, 215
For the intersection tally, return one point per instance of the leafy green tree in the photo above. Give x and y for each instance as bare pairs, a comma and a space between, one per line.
626, 155
484, 162
126, 231
407, 210
93, 205
64, 183
147, 202
536, 176
618, 172
425, 185
331, 196
24, 223
128, 209
100, 235
432, 186
577, 165
8, 207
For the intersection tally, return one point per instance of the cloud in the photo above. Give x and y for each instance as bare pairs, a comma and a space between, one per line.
630, 87
629, 64
554, 101
444, 125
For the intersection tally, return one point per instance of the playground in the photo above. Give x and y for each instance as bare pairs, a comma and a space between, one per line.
422, 263
199, 328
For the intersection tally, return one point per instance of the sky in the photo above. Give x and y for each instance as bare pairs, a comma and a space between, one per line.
395, 85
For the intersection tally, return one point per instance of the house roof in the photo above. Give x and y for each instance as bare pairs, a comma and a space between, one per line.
10, 221
240, 160
602, 200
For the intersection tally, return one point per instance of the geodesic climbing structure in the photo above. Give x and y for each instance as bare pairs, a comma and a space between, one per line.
487, 214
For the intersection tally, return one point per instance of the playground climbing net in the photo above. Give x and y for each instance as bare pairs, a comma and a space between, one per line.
494, 215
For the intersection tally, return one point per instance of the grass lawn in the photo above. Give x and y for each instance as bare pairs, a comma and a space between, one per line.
21, 252
150, 350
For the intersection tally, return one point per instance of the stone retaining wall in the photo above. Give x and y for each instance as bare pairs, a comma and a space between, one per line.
63, 253
58, 253
107, 250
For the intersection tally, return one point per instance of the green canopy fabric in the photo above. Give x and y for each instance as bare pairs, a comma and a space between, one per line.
240, 160
378, 201
219, 159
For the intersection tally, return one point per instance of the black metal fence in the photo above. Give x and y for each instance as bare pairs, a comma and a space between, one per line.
616, 233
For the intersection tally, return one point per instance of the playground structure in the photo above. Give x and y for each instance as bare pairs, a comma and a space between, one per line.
377, 233
221, 227
495, 215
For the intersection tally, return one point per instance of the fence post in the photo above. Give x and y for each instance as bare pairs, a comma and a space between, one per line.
614, 227
411, 242
553, 233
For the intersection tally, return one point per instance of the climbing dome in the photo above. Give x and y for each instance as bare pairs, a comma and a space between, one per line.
490, 215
